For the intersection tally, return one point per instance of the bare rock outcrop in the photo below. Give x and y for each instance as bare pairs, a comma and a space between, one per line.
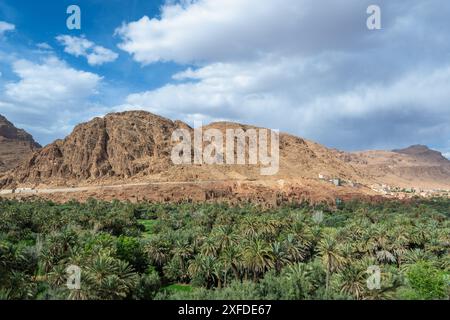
119, 145
135, 147
15, 145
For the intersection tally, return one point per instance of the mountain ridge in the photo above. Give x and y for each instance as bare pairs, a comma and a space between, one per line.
424, 152
135, 147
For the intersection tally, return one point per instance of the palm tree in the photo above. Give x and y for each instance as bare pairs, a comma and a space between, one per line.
182, 251
296, 248
303, 234
420, 235
107, 278
224, 237
258, 257
381, 238
210, 247
413, 256
384, 256
196, 266
219, 273
298, 274
158, 253
231, 260
58, 276
400, 242
280, 256
268, 227
250, 228
332, 258
353, 280
204, 266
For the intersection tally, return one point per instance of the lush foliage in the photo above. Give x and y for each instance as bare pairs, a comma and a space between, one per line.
188, 251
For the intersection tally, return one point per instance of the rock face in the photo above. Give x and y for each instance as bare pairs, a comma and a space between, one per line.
136, 146
425, 154
15, 145
118, 145
416, 166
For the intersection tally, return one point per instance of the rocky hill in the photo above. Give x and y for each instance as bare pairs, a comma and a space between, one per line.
116, 146
424, 154
15, 145
134, 148
137, 145
414, 167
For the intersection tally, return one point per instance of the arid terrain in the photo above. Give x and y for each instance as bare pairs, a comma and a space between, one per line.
15, 145
414, 167
127, 156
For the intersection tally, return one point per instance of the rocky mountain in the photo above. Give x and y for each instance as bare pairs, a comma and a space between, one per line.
425, 154
116, 146
137, 145
414, 167
15, 145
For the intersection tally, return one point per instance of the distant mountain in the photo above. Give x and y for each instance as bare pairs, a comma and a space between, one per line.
424, 153
416, 166
15, 145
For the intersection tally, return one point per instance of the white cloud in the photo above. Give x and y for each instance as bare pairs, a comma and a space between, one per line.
50, 97
314, 70
44, 46
50, 83
275, 94
80, 46
224, 30
5, 27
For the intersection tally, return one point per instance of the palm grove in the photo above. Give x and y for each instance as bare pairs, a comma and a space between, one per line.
215, 251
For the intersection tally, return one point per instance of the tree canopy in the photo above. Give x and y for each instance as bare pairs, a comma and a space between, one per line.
216, 251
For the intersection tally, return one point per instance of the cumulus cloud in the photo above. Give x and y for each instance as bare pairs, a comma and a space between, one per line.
224, 30
47, 92
5, 27
312, 70
50, 83
80, 46
411, 108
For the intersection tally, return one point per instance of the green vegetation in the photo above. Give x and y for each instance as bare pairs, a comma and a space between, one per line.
206, 251
179, 288
148, 224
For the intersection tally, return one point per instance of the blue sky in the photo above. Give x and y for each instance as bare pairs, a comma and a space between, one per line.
41, 23
314, 71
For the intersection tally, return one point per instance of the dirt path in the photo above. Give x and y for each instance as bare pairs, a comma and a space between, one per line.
112, 187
